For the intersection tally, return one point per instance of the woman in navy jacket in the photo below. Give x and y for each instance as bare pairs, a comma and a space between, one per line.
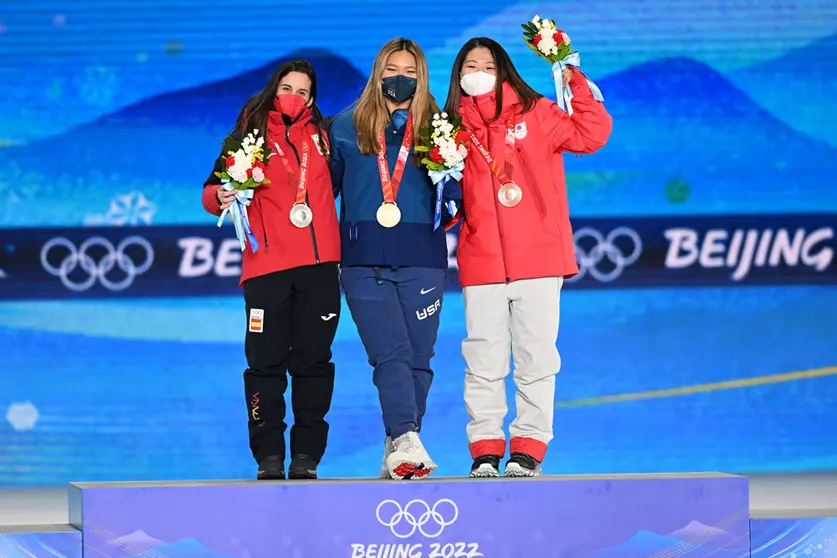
393, 261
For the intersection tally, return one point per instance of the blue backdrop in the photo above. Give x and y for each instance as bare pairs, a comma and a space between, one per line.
702, 333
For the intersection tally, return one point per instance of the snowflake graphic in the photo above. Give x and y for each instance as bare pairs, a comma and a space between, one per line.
22, 416
130, 209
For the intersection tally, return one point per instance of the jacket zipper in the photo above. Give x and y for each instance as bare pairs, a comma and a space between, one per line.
311, 226
261, 218
534, 186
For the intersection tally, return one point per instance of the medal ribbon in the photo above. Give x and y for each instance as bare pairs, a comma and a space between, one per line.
504, 172
389, 185
302, 188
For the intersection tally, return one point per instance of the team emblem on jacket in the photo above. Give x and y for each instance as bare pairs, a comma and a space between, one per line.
316, 138
520, 130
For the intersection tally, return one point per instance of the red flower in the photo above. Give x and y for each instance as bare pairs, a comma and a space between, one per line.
230, 161
560, 38
537, 39
462, 136
436, 155
259, 164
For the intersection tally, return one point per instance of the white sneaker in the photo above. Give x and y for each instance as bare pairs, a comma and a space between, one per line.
387, 450
409, 459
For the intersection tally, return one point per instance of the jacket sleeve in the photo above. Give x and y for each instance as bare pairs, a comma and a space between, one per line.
210, 190
210, 185
337, 166
589, 127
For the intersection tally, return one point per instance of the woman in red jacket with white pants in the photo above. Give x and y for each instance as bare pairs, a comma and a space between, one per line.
291, 282
515, 246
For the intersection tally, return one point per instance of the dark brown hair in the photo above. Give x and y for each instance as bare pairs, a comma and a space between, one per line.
253, 115
506, 73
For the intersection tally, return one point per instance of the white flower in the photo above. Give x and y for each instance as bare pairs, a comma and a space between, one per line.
444, 115
237, 174
536, 20
436, 122
462, 150
436, 116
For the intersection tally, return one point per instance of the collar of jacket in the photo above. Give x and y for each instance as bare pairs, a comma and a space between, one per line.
277, 119
480, 109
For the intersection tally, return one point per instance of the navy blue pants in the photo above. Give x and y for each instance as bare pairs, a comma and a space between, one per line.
397, 316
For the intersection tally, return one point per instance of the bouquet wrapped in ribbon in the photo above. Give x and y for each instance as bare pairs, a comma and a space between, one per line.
445, 160
243, 163
553, 44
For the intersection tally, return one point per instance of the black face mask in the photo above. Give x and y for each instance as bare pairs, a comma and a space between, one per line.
399, 88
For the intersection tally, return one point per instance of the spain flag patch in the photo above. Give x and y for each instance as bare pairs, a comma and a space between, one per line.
256, 320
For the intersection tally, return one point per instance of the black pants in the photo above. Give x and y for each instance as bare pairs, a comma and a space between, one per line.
291, 322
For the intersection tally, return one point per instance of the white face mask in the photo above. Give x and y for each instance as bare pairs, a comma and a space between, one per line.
478, 83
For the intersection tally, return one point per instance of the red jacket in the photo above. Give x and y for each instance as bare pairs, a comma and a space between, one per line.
282, 245
534, 239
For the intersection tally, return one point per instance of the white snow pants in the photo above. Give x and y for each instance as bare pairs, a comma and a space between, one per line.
520, 319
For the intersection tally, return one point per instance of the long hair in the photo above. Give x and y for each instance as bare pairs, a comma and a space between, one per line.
371, 114
506, 73
253, 115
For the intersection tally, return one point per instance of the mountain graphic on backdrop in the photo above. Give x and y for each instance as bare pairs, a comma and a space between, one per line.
680, 119
647, 543
800, 87
175, 137
185, 548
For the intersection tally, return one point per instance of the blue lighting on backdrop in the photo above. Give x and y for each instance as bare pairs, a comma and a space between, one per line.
710, 342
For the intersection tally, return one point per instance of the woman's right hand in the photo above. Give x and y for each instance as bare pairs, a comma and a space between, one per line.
225, 197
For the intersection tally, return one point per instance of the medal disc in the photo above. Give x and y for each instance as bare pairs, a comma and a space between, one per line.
301, 215
510, 194
388, 215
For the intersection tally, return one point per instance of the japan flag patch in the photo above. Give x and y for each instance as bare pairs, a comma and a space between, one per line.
256, 320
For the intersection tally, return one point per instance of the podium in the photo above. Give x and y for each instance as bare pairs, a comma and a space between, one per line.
630, 516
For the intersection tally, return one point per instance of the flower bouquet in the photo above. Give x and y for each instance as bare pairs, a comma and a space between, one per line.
243, 163
445, 160
553, 44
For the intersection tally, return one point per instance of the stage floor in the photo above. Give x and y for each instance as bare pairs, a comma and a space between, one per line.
789, 495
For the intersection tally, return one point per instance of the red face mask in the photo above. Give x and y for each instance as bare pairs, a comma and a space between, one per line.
290, 105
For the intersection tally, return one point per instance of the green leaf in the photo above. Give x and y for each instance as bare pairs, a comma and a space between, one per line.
265, 181
424, 132
218, 174
533, 47
422, 148
531, 27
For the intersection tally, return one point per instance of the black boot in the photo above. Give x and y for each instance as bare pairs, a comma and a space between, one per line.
303, 467
272, 467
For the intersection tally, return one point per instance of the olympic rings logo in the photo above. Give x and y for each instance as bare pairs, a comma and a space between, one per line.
97, 269
605, 249
404, 522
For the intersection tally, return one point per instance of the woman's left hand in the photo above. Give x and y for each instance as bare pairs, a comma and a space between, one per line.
567, 75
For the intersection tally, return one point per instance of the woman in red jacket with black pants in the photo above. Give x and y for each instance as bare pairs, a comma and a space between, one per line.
291, 283
515, 246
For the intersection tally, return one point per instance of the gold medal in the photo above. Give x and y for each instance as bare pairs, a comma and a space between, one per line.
510, 194
388, 215
301, 215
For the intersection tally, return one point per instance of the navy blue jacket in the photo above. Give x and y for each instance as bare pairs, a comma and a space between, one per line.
411, 243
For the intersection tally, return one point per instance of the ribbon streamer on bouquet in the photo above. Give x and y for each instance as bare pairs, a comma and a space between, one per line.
238, 214
440, 178
563, 92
